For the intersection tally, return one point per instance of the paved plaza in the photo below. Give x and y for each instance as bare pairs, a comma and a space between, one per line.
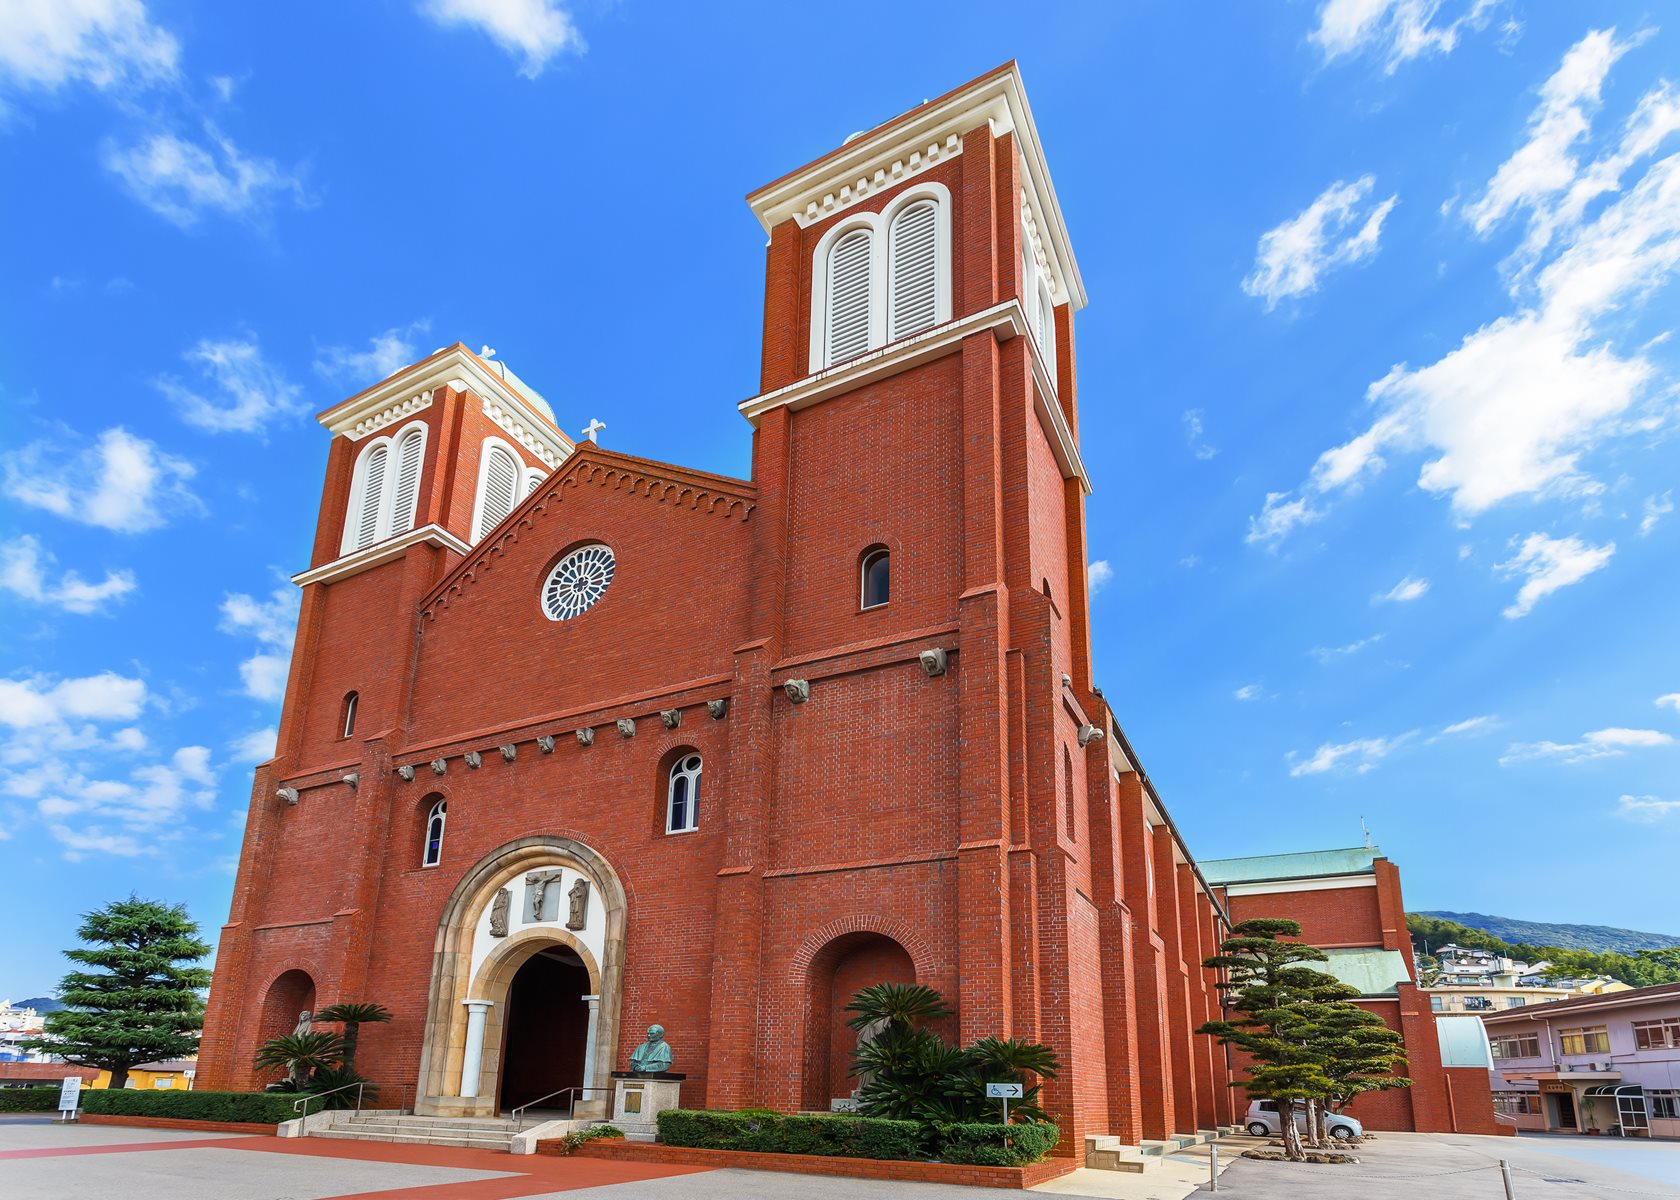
43, 1160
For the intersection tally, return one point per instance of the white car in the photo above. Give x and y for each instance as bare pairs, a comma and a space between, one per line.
1262, 1121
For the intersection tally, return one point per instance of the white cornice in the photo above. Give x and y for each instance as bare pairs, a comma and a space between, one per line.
1009, 322
1318, 883
999, 99
379, 552
409, 390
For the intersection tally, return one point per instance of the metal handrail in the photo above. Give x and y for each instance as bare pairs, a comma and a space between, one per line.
302, 1106
518, 1114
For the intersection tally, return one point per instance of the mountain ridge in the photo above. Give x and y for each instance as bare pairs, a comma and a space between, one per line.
1599, 938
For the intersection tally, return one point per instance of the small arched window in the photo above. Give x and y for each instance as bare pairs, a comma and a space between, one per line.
351, 699
1067, 795
849, 270
912, 271
876, 577
682, 795
498, 487
432, 850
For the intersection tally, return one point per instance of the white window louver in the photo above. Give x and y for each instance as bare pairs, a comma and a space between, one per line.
848, 296
533, 482
501, 483
407, 491
912, 279
1046, 327
373, 494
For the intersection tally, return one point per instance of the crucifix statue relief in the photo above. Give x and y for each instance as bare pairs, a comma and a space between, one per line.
536, 890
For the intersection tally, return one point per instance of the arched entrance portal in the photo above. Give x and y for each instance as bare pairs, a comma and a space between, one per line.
838, 972
546, 1028
288, 997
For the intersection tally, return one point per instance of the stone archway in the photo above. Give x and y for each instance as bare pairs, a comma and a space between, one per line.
481, 947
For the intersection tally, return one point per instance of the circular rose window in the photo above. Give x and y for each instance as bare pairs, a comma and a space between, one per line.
577, 581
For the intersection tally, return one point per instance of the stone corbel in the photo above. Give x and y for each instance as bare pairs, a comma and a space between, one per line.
354, 779
406, 774
626, 727
546, 743
475, 760
798, 690
934, 662
1088, 734
288, 794
439, 766
718, 708
671, 716
586, 736
509, 752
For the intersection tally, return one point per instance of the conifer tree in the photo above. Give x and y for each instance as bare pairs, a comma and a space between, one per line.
138, 1001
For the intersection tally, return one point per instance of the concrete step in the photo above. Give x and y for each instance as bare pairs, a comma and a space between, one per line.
407, 1122
1121, 1158
462, 1141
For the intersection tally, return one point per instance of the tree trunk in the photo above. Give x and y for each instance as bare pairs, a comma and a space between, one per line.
1321, 1123
119, 1077
1291, 1133
352, 1030
1309, 1136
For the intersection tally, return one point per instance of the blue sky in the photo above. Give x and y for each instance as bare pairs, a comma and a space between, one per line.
1376, 385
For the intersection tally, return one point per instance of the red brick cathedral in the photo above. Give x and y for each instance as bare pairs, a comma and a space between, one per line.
576, 742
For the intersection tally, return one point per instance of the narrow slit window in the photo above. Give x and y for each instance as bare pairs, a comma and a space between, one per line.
877, 577
350, 703
433, 850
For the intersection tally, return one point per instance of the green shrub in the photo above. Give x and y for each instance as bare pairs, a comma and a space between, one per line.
997, 1145
256, 1108
28, 1099
594, 1133
839, 1136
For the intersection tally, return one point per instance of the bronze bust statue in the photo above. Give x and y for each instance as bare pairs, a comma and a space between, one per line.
652, 1057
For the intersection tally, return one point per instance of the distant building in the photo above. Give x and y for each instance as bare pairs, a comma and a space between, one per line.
174, 1075
17, 1025
1592, 1064
1348, 903
1480, 981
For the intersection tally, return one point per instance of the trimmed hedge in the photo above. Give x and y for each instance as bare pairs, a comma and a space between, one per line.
255, 1108
28, 1099
840, 1136
984, 1145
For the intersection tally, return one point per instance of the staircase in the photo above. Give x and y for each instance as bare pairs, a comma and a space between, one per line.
1104, 1153
474, 1133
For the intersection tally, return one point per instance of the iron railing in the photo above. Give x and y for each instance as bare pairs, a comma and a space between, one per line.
518, 1114
302, 1106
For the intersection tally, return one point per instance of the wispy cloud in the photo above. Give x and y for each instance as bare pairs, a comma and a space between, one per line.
183, 180
534, 30
1470, 725
385, 354
1512, 410
1647, 809
102, 43
37, 701
246, 392
1656, 508
1247, 692
1193, 435
1098, 574
273, 623
25, 571
1326, 654
1361, 755
1396, 30
1672, 700
1335, 230
1546, 564
256, 746
120, 482
1406, 590
1600, 743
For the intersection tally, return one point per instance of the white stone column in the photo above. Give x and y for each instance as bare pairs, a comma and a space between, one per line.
472, 1060
590, 1080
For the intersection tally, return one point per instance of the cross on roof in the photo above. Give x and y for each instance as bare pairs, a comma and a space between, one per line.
595, 426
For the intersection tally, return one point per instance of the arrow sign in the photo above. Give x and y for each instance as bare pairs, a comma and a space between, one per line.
1003, 1091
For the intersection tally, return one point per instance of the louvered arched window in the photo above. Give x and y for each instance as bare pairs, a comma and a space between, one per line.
912, 271
498, 486
850, 266
385, 488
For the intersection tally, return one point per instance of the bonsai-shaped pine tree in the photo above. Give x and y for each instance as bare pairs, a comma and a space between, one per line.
1272, 995
138, 1001
1362, 1054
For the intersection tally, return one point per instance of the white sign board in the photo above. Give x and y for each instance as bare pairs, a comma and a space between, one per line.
70, 1096
1003, 1091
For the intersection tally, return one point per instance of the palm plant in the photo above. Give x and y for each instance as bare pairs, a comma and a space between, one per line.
901, 1005
300, 1055
353, 1015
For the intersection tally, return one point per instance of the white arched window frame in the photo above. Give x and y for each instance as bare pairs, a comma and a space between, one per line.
682, 795
501, 479
1038, 303
533, 480
431, 853
879, 226
385, 488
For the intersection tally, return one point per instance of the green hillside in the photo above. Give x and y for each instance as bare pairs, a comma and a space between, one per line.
1568, 937
1642, 968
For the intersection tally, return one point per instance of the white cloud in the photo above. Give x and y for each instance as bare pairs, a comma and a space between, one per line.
537, 30
273, 622
1406, 590
1335, 230
1248, 691
1326, 654
1281, 515
1600, 743
183, 180
386, 354
24, 567
1547, 564
256, 746
1647, 809
248, 392
1656, 508
1193, 435
1363, 754
1470, 725
103, 43
1511, 412
1672, 700
37, 702
1098, 574
135, 486
1399, 30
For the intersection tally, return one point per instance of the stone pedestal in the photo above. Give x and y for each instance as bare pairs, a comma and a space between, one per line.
639, 1099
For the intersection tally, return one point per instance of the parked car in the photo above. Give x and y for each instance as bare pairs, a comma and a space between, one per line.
1262, 1121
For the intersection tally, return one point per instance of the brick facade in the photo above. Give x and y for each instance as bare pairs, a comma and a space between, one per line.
949, 829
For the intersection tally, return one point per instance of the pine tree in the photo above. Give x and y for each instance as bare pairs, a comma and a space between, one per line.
139, 1000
